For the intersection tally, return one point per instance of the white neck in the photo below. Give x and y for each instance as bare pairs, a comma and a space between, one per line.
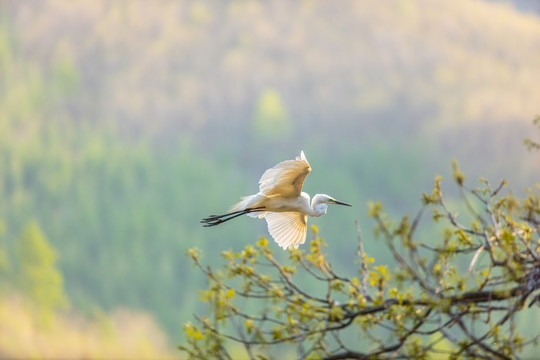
317, 208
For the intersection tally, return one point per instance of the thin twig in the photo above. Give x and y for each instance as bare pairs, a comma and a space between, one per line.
363, 265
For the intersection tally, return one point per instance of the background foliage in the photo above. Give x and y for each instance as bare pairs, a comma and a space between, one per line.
123, 124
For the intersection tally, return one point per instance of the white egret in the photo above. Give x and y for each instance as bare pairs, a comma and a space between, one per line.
282, 203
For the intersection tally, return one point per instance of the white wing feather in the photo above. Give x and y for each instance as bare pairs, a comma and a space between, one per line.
286, 178
287, 228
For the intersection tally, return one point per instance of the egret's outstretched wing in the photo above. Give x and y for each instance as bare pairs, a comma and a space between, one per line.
287, 228
286, 178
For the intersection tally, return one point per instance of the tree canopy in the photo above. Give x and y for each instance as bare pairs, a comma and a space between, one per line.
37, 274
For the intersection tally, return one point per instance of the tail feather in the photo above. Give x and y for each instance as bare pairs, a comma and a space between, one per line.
247, 202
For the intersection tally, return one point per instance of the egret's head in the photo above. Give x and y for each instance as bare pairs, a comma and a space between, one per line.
327, 199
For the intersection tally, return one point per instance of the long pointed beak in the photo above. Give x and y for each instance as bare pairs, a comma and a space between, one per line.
337, 202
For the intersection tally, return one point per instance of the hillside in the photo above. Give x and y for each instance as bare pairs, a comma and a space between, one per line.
189, 67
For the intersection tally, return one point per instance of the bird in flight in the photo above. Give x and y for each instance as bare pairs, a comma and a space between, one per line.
282, 203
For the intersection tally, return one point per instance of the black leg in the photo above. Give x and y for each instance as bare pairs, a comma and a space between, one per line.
214, 220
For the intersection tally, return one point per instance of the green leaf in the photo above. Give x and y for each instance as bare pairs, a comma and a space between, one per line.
336, 313
229, 294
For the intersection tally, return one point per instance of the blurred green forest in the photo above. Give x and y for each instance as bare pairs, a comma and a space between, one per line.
122, 124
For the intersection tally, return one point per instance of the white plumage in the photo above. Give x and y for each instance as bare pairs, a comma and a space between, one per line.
282, 203
287, 228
